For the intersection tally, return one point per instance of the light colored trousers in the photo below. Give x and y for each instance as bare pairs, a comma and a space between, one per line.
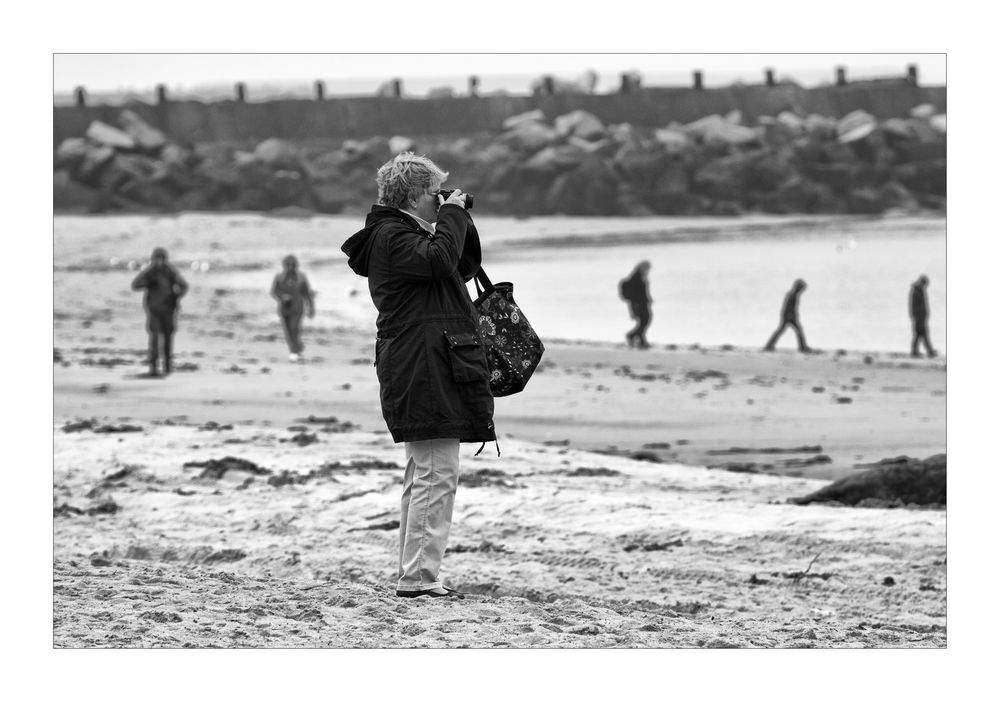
429, 487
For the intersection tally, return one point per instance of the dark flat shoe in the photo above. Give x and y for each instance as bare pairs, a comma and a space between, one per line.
430, 593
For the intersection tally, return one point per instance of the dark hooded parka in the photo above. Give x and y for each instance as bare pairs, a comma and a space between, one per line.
429, 358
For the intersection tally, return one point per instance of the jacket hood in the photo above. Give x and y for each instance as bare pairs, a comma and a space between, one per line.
359, 245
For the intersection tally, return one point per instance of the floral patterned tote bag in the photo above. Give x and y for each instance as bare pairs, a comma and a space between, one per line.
513, 349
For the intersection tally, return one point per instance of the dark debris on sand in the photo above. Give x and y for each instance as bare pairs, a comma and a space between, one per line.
287, 477
361, 465
381, 526
92, 425
486, 477
302, 439
113, 480
482, 547
588, 472
102, 507
214, 468
757, 467
329, 471
214, 426
743, 450
330, 424
652, 545
107, 362
648, 456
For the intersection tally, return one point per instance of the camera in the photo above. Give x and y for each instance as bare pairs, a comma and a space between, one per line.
447, 193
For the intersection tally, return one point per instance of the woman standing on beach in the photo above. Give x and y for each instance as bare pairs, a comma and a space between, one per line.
418, 250
291, 289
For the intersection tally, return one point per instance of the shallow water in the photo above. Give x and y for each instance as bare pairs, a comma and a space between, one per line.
727, 289
730, 292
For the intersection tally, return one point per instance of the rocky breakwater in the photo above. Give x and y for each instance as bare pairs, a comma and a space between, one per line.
571, 164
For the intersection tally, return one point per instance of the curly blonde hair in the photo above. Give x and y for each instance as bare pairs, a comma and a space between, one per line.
405, 178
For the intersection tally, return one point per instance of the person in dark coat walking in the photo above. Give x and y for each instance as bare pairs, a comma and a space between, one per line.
291, 289
919, 312
164, 288
429, 358
635, 291
790, 318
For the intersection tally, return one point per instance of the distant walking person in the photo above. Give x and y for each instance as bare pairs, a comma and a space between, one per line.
635, 291
790, 318
919, 312
291, 290
164, 288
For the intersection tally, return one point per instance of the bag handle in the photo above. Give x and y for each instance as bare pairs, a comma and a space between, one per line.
487, 283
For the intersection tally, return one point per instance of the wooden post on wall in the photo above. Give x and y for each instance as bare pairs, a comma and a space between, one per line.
320, 88
80, 94
698, 84
841, 75
241, 92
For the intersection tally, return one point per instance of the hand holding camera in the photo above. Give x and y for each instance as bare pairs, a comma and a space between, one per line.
455, 197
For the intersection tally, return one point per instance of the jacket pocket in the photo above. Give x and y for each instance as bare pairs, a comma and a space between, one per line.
382, 372
468, 359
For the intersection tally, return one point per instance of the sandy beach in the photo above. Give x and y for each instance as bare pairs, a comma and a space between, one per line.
639, 501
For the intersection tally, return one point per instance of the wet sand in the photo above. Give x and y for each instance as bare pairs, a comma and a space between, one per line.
693, 406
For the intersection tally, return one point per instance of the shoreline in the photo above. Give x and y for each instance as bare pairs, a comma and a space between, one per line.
716, 400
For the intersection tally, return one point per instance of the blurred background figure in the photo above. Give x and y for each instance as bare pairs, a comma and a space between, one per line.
635, 291
919, 312
291, 290
790, 318
164, 288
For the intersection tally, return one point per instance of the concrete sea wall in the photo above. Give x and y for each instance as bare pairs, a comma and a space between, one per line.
361, 117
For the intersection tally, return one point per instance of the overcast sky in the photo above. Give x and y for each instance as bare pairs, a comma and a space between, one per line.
141, 72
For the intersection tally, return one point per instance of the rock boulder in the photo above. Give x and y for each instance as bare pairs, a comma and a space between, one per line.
715, 129
901, 480
673, 140
146, 137
106, 135
94, 161
70, 153
590, 189
278, 154
855, 125
515, 121
579, 123
529, 137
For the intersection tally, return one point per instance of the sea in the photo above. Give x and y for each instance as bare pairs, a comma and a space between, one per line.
712, 282
730, 291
